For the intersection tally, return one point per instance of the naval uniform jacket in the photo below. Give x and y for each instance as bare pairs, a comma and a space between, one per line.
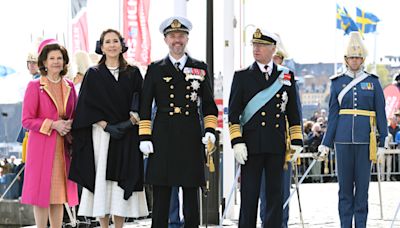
265, 132
355, 129
178, 158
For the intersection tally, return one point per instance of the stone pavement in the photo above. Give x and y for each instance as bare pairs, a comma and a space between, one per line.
319, 205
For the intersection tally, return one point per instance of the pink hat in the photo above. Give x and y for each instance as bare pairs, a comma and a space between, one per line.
46, 42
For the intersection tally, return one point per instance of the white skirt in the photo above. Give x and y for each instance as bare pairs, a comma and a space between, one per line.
108, 197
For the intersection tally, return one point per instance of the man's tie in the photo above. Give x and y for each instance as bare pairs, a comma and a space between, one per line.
266, 72
177, 66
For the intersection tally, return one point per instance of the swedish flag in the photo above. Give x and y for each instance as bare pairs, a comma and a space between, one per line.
366, 21
344, 20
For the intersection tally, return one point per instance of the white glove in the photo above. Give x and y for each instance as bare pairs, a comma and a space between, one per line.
381, 154
240, 152
297, 149
146, 147
323, 152
388, 139
207, 136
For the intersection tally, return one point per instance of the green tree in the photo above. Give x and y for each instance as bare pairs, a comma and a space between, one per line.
382, 72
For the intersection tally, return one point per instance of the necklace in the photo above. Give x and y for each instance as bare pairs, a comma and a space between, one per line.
114, 70
54, 81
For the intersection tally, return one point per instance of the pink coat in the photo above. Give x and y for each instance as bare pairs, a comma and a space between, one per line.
39, 110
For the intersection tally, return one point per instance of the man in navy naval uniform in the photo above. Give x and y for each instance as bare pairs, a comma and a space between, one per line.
179, 85
356, 111
263, 99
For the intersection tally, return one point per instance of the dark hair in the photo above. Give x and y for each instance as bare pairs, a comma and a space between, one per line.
45, 52
122, 62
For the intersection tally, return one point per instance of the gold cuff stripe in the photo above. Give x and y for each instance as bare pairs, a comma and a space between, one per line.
296, 136
210, 121
295, 132
145, 127
295, 129
235, 131
46, 127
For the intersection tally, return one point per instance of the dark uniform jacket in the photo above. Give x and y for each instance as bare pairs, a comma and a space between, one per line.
178, 158
265, 132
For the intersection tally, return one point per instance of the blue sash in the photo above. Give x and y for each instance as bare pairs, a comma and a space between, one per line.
262, 97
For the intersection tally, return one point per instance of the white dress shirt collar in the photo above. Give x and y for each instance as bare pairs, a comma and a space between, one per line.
182, 61
262, 67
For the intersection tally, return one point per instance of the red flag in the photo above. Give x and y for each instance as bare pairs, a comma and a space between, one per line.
220, 107
136, 30
392, 97
79, 26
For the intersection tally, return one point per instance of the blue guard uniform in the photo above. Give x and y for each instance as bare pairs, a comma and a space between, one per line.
356, 110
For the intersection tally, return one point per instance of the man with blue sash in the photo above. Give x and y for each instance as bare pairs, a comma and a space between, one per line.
356, 112
263, 99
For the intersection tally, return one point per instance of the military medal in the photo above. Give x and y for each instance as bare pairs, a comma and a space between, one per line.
193, 96
285, 100
195, 84
285, 79
194, 73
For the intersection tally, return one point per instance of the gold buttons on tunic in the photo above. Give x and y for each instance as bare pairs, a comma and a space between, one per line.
278, 95
277, 105
276, 125
171, 105
188, 87
171, 113
187, 106
171, 95
171, 86
177, 110
263, 124
187, 96
277, 115
187, 113
263, 113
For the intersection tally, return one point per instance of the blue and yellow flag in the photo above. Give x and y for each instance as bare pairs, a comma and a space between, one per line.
366, 21
344, 20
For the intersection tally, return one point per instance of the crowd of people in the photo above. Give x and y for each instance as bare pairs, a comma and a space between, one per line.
92, 133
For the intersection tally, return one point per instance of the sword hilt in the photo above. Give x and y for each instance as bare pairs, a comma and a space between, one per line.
210, 160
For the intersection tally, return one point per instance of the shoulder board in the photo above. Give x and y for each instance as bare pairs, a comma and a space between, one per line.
376, 76
243, 69
335, 76
156, 62
283, 68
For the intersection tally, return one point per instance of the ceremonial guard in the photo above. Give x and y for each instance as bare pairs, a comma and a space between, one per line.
180, 87
356, 111
263, 99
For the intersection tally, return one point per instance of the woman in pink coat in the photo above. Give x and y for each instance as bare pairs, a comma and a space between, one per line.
48, 109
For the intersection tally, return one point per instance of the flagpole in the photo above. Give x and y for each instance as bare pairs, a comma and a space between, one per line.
374, 60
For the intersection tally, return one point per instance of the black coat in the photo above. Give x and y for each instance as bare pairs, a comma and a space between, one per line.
265, 132
178, 158
103, 98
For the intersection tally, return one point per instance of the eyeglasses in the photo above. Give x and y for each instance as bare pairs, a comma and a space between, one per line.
31, 62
